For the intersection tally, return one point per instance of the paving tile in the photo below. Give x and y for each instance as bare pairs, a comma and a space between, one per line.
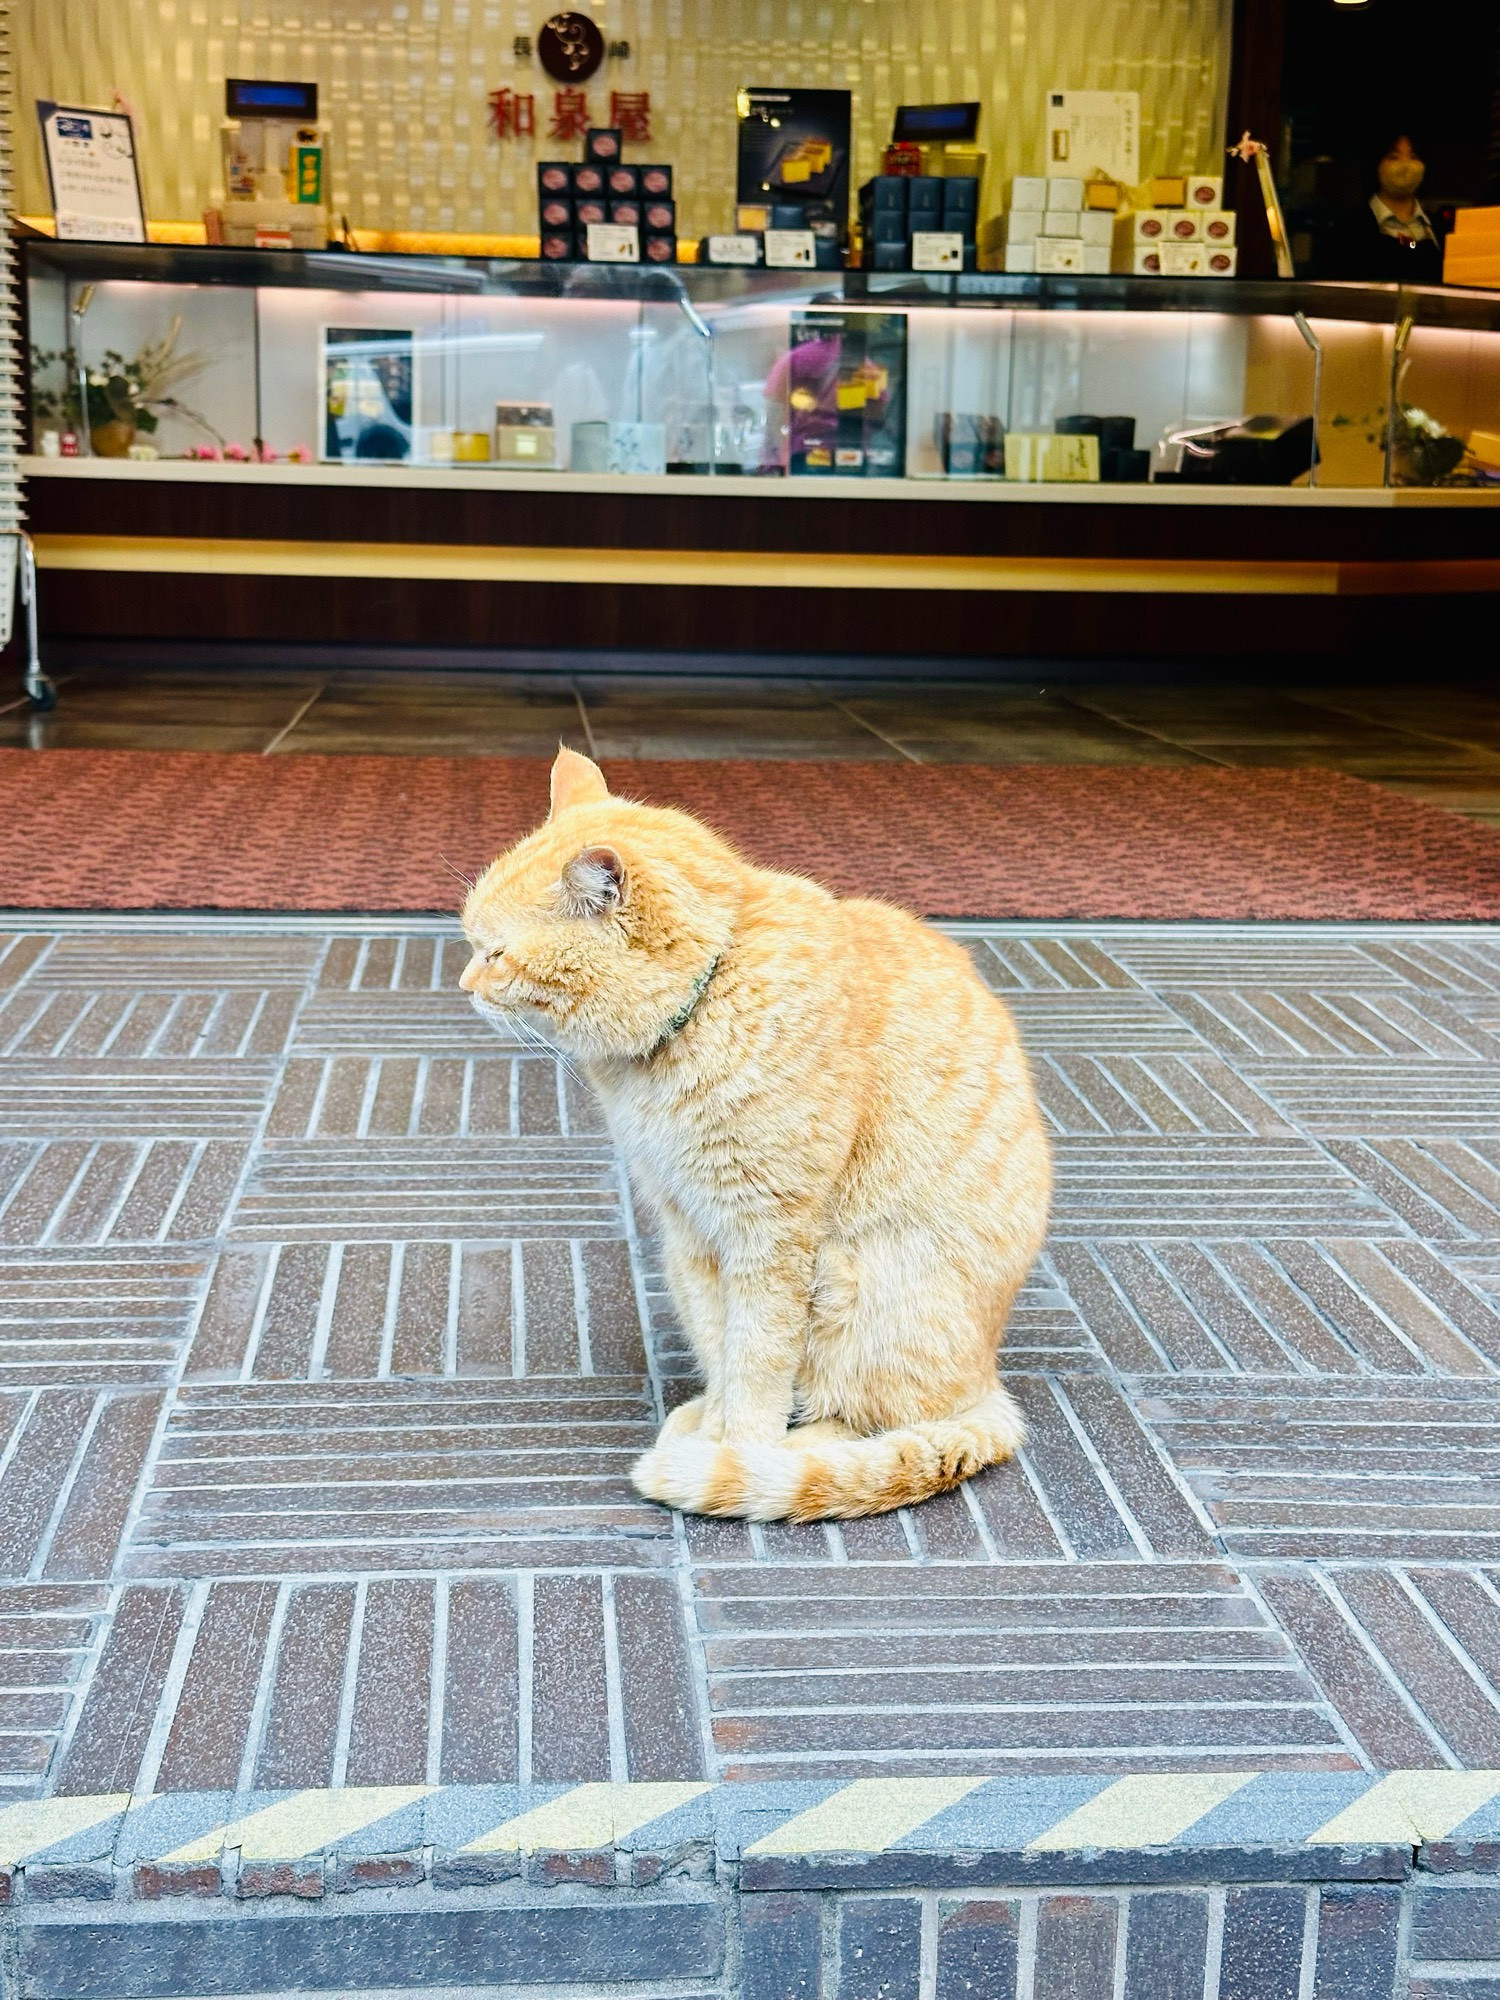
977, 1950
95, 1317
565, 1187
122, 1191
398, 1475
47, 1631
869, 1668
1249, 1022
1363, 1469
1119, 1095
1166, 1946
1041, 964
181, 960
115, 1720
1382, 1097
1075, 1948
1207, 1188
106, 1098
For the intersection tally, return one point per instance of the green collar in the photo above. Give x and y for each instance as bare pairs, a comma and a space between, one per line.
686, 1012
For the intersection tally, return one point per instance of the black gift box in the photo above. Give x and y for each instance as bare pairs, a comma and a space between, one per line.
602, 143
623, 181
585, 212
660, 217
626, 212
553, 177
556, 212
656, 181
885, 226
559, 246
924, 194
888, 256
962, 192
588, 179
659, 249
885, 191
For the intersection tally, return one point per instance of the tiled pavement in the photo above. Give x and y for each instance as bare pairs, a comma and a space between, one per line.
327, 1333
328, 1330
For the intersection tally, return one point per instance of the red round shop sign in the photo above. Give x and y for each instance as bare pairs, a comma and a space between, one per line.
570, 47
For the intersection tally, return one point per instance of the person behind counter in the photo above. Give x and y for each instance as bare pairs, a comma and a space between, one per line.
1390, 238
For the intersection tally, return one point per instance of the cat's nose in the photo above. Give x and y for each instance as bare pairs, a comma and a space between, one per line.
472, 973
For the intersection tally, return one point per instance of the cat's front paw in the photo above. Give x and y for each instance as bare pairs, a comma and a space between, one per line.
684, 1421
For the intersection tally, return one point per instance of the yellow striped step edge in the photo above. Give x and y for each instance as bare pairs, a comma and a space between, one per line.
1205, 1826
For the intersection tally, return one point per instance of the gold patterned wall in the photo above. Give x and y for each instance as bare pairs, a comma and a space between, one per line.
405, 82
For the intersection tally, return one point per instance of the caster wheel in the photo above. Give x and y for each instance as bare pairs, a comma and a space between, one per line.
44, 697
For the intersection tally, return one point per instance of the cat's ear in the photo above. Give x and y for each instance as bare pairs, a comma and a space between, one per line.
594, 882
575, 781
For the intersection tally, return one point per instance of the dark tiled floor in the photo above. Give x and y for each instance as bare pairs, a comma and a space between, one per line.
327, 1332
1440, 744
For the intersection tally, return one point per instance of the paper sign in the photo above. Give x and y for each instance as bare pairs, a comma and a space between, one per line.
614, 243
1094, 132
96, 191
790, 250
733, 250
937, 250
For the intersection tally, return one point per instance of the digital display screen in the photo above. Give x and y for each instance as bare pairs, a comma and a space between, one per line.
244, 98
936, 121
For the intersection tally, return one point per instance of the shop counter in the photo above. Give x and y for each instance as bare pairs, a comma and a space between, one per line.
434, 452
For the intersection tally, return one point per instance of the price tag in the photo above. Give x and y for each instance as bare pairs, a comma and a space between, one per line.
733, 250
614, 243
937, 250
791, 250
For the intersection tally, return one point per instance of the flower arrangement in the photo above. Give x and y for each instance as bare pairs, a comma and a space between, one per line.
132, 394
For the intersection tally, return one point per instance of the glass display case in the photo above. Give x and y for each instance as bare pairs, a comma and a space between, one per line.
396, 366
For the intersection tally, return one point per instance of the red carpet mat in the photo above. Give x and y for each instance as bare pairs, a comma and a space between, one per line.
188, 830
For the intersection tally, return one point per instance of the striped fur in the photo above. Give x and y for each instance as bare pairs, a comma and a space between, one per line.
830, 1118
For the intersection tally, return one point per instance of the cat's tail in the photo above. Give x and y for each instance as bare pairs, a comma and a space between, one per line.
815, 1476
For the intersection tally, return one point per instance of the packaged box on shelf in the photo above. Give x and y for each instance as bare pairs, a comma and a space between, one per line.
886, 226
1042, 455
660, 217
1145, 260
1168, 190
1145, 225
559, 246
1056, 254
888, 256
1063, 191
618, 447
1205, 191
787, 215
657, 181
553, 177
622, 182
1220, 261
753, 217
1216, 225
1062, 222
1028, 191
1022, 225
1096, 227
1020, 259
885, 191
588, 179
585, 212
603, 142
962, 192
626, 211
556, 212
924, 195
1096, 260
1102, 196
1185, 228
959, 223
524, 434
659, 249
1184, 260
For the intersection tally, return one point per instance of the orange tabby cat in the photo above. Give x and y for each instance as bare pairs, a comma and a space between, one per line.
832, 1119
